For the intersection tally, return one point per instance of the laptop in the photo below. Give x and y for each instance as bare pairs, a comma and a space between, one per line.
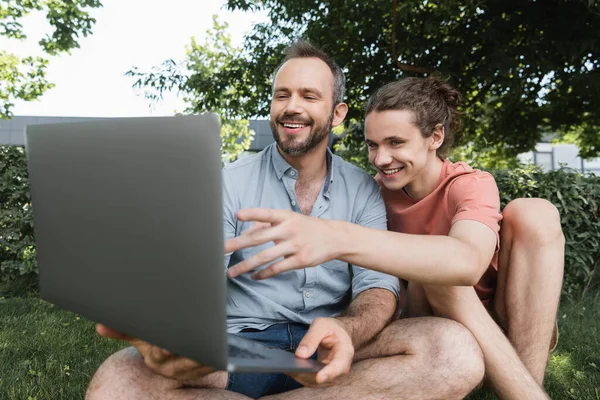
129, 233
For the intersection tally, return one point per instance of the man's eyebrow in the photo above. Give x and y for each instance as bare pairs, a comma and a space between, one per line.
315, 91
312, 90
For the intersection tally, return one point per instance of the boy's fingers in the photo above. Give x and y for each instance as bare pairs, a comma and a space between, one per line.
251, 239
263, 215
262, 258
255, 227
287, 264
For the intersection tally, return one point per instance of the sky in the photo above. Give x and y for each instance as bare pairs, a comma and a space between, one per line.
90, 82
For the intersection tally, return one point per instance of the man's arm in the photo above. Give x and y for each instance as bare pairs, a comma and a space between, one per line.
368, 314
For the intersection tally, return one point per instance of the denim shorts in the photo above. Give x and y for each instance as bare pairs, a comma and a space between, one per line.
254, 385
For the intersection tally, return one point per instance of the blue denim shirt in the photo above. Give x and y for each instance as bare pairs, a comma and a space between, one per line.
267, 180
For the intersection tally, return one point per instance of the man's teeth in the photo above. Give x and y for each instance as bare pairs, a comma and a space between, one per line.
293, 126
390, 171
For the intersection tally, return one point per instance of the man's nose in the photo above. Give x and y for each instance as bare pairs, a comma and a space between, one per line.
294, 105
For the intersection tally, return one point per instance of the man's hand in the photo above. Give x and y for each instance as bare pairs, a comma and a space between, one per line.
335, 350
303, 241
159, 360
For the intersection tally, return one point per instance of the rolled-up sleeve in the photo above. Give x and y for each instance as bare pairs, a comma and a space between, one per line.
373, 215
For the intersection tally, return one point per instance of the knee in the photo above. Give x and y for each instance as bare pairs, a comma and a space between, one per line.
118, 376
454, 345
535, 220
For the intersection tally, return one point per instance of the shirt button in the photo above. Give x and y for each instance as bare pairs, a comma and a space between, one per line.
292, 173
307, 294
293, 203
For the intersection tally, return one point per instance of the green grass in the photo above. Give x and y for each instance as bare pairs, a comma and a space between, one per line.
49, 353
46, 352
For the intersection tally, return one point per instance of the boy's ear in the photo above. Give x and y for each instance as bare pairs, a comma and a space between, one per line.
437, 138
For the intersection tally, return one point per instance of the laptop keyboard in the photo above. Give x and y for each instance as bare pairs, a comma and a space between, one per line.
239, 352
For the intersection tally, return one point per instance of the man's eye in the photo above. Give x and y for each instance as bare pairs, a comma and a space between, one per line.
395, 143
310, 97
372, 145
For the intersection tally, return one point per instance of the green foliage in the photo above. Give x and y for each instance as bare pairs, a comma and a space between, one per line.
352, 147
586, 138
577, 198
485, 157
25, 78
205, 67
21, 79
236, 137
525, 67
17, 245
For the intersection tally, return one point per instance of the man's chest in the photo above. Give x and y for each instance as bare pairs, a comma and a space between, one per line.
307, 194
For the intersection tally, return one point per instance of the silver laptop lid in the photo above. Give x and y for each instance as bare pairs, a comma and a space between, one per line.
128, 224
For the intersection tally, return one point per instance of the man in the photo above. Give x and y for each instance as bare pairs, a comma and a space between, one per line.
446, 217
420, 358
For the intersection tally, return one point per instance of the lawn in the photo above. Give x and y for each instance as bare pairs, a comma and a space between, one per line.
49, 353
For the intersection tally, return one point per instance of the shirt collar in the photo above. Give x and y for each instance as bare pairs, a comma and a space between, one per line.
281, 166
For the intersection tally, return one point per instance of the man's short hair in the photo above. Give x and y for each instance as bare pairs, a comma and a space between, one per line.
305, 49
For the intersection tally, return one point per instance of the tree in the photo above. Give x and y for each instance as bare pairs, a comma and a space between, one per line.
25, 78
206, 65
526, 67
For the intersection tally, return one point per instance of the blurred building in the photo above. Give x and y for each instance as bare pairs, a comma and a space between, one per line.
550, 156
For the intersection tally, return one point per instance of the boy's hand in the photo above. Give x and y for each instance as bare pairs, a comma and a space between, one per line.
303, 242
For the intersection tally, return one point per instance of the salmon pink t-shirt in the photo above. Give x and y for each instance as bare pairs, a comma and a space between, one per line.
462, 194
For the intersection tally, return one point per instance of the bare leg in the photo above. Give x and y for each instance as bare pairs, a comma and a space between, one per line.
505, 372
125, 376
416, 358
416, 304
530, 273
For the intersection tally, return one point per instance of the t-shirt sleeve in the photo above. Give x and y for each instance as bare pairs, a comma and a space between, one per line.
475, 197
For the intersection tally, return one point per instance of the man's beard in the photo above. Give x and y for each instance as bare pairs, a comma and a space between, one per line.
290, 146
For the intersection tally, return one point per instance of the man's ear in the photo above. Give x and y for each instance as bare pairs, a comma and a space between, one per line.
339, 113
437, 138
